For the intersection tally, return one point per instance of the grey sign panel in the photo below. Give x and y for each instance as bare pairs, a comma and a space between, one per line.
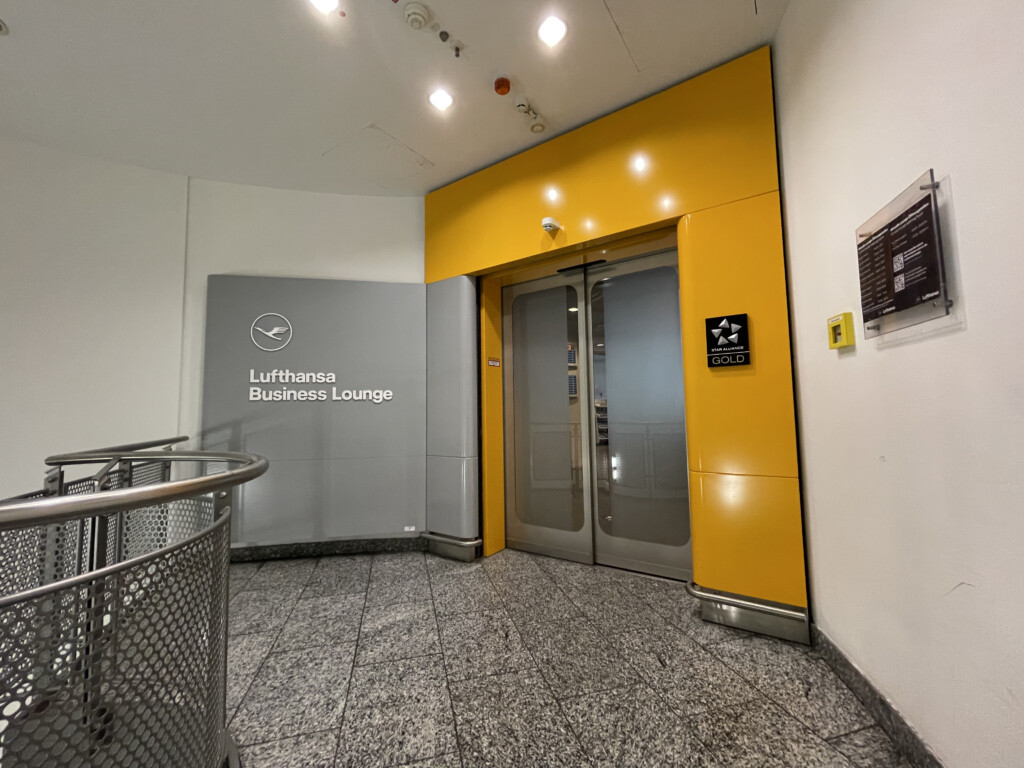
327, 379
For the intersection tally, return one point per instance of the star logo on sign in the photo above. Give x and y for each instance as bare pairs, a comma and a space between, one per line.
727, 333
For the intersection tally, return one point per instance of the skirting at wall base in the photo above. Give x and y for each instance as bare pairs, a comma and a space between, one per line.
906, 739
245, 554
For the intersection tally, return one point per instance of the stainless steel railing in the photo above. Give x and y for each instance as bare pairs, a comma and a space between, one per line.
113, 611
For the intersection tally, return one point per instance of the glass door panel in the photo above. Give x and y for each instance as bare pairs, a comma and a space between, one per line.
594, 420
641, 491
547, 467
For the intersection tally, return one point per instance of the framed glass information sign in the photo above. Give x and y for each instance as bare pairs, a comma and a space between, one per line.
899, 255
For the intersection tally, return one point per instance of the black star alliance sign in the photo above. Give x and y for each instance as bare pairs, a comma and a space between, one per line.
728, 341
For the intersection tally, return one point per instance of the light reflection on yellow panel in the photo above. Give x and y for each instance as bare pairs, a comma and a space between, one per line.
740, 420
698, 144
747, 536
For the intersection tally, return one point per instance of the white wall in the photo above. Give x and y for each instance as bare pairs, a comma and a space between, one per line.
912, 455
103, 289
91, 276
242, 230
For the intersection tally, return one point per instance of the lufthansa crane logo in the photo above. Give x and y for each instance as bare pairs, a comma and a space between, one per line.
271, 332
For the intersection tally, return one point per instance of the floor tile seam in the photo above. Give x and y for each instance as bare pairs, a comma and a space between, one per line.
475, 678
766, 695
550, 691
785, 709
475, 612
304, 596
435, 757
800, 723
263, 661
393, 659
241, 587
684, 719
857, 730
391, 578
718, 713
421, 601
286, 738
351, 674
317, 646
447, 676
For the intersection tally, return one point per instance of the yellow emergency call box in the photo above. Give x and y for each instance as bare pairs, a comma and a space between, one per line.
840, 331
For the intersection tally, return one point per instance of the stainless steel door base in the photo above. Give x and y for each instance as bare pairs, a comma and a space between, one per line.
774, 619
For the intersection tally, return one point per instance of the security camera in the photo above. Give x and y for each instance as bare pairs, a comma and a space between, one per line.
549, 224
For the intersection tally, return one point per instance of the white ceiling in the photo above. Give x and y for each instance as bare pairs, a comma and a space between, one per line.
273, 93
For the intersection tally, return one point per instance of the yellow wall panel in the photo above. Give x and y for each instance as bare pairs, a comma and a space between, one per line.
709, 145
748, 536
739, 420
492, 438
707, 141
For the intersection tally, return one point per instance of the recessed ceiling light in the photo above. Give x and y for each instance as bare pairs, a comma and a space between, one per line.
441, 99
574, 309
325, 6
639, 163
666, 202
552, 30
552, 194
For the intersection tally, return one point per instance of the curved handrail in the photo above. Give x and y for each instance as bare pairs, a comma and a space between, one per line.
90, 576
140, 446
59, 509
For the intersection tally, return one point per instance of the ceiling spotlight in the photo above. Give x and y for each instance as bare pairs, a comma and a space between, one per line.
325, 6
552, 31
537, 126
640, 164
441, 99
552, 194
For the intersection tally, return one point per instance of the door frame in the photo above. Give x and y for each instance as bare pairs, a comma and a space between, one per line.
492, 409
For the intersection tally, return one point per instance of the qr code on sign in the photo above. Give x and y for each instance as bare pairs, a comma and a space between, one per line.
899, 283
897, 263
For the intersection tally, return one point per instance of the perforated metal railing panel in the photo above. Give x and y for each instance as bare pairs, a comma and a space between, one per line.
124, 668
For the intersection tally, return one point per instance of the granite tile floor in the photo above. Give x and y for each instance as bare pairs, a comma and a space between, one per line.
371, 661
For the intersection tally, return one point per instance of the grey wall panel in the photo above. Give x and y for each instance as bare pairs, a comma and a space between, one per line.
452, 368
452, 497
300, 501
368, 336
452, 411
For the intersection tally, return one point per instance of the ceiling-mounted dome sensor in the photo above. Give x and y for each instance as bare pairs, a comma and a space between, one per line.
417, 15
552, 31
